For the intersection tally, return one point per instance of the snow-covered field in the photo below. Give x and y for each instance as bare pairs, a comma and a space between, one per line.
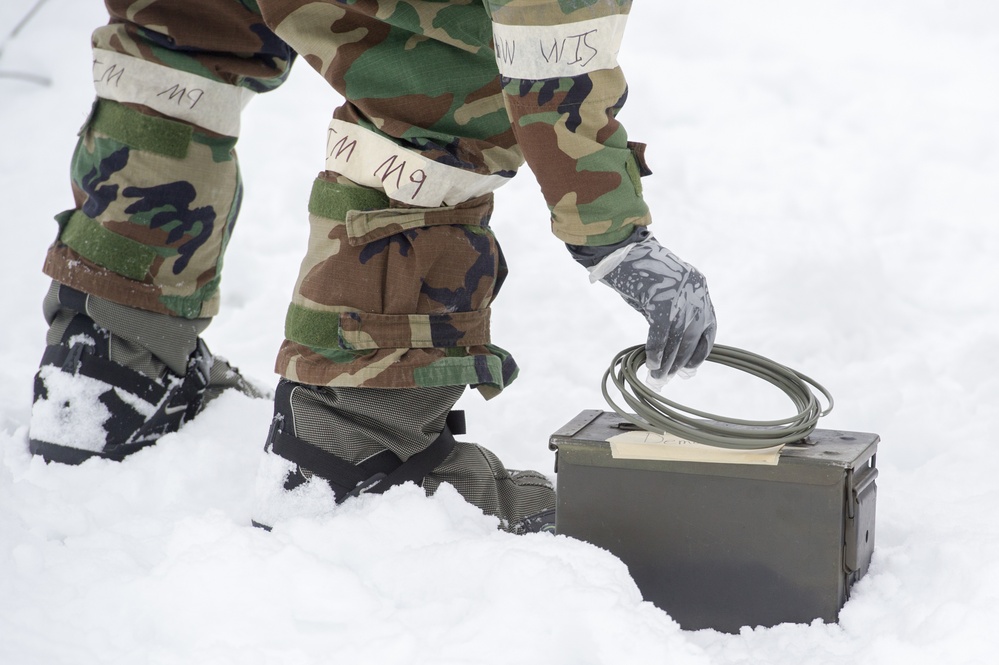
833, 167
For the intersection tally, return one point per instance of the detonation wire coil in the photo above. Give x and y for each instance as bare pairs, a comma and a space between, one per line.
655, 413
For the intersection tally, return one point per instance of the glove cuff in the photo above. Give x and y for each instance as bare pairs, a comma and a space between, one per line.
588, 256
610, 262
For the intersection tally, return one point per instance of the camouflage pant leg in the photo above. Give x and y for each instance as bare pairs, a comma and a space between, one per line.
154, 175
402, 265
563, 90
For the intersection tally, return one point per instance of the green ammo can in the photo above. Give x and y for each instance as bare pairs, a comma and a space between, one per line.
724, 545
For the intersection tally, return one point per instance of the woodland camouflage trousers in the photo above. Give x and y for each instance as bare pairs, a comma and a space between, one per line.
445, 100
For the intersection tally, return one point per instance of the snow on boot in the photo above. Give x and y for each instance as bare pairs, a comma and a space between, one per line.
87, 405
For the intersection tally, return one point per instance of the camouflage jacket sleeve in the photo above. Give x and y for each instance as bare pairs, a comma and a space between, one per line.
563, 89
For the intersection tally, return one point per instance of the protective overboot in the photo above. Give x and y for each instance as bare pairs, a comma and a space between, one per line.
543, 522
327, 445
88, 405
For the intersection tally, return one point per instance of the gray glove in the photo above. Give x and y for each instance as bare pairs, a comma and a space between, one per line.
670, 294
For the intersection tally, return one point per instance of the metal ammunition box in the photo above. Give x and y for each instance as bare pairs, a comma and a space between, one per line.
720, 545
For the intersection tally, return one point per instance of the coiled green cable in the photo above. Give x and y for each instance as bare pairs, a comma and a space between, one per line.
655, 413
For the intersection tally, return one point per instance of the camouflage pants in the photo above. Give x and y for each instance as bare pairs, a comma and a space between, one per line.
444, 102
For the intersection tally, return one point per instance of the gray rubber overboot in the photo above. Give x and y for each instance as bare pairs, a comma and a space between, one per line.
146, 342
358, 424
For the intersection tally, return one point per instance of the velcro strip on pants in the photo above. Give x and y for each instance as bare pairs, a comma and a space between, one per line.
364, 226
368, 217
360, 331
92, 241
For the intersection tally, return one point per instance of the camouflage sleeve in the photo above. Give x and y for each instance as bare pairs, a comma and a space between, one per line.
154, 174
563, 89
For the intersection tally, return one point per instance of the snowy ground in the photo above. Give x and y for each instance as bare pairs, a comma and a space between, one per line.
832, 167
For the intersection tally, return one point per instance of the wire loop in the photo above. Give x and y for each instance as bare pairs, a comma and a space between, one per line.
655, 413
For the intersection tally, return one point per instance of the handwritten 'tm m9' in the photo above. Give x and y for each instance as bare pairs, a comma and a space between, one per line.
112, 74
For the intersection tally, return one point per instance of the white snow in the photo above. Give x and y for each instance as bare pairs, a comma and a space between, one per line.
83, 424
833, 168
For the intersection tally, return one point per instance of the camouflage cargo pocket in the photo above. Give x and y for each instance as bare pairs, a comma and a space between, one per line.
394, 297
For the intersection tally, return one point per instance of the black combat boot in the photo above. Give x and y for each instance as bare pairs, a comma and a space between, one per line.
88, 405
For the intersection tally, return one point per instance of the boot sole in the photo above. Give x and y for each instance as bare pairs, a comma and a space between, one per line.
53, 452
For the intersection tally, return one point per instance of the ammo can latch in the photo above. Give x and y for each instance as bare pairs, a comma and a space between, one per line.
861, 500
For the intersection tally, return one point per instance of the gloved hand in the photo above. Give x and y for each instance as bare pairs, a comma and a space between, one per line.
672, 296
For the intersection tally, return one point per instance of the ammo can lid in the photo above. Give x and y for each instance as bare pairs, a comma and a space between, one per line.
588, 434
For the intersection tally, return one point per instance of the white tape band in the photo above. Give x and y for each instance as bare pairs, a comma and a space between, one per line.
538, 52
372, 160
203, 102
